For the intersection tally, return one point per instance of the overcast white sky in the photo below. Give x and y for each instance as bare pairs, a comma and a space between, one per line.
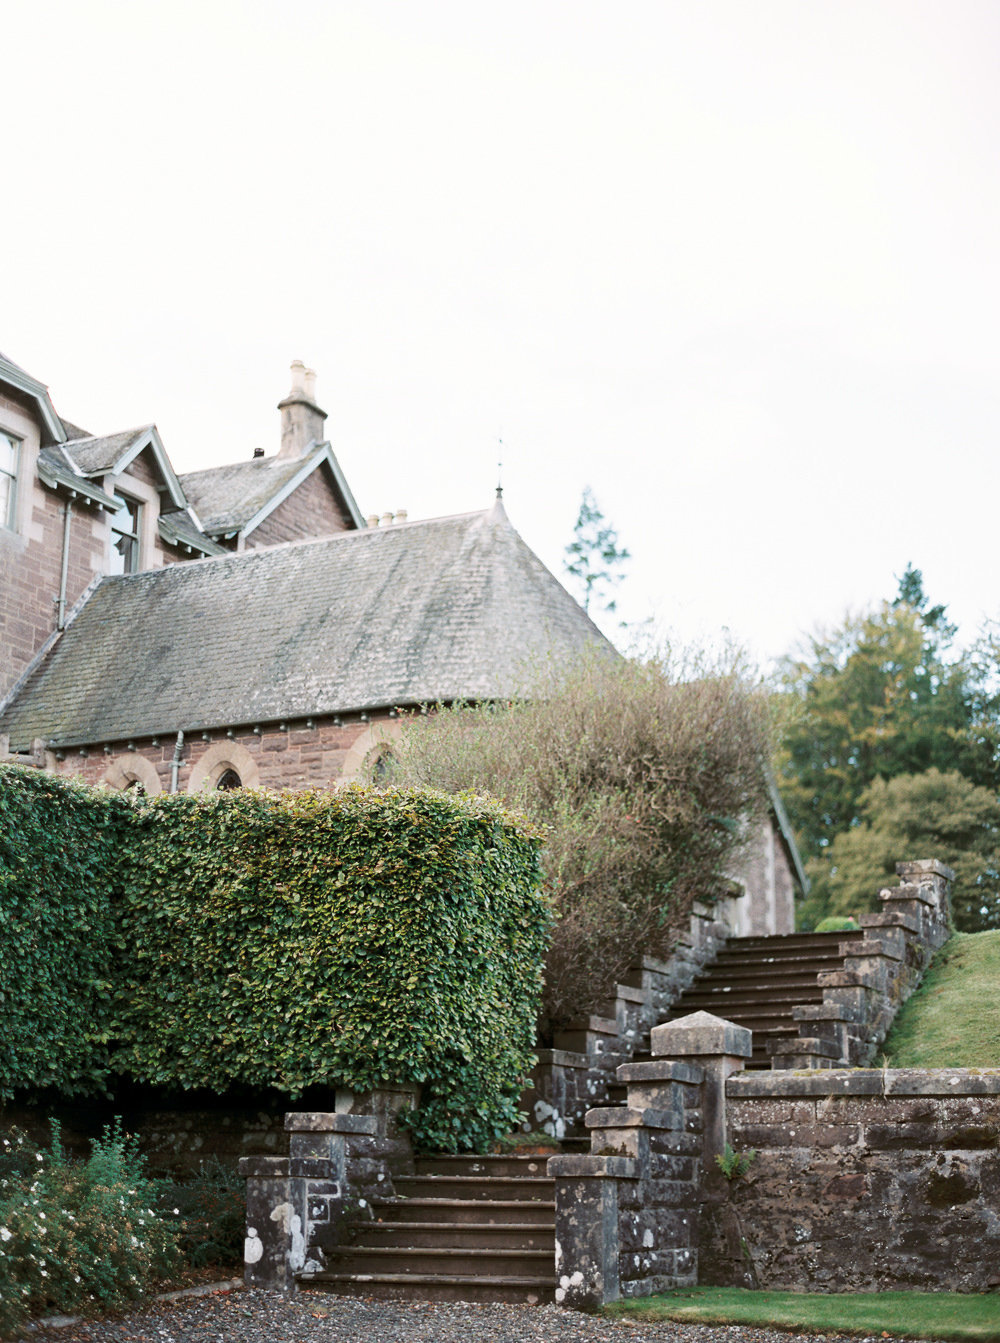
731, 263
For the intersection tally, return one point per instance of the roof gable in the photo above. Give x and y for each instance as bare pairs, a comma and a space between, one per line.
110, 454
14, 376
239, 496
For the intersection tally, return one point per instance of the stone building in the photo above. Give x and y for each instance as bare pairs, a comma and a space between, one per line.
245, 625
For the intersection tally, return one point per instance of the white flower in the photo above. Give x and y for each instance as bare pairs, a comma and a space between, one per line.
5, 1233
39, 1157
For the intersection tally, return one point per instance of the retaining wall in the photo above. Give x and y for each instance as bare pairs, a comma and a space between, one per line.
864, 1180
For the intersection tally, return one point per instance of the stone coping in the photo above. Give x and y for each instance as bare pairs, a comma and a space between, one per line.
320, 1121
866, 1082
573, 1167
660, 1070
620, 1116
562, 1058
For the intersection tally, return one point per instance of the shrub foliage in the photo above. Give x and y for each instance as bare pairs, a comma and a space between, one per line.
298, 939
77, 1236
647, 774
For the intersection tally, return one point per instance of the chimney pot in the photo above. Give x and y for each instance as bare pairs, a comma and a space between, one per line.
386, 519
309, 383
258, 452
298, 376
372, 520
401, 515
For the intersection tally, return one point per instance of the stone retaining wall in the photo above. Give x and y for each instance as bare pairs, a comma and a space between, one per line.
864, 1180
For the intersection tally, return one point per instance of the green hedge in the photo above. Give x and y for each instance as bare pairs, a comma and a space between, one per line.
311, 938
59, 849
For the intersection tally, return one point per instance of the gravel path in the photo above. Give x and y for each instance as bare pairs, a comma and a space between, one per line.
268, 1317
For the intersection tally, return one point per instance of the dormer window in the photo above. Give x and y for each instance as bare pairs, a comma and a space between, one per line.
9, 451
125, 525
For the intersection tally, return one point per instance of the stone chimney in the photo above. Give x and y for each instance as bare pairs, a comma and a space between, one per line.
301, 418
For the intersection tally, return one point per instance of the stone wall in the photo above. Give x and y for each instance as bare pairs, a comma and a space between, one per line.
576, 1073
313, 753
336, 1165
864, 1180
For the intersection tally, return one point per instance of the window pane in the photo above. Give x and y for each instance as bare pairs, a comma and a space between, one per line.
124, 558
6, 501
8, 455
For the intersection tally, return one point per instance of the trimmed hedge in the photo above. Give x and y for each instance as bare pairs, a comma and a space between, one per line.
59, 849
348, 939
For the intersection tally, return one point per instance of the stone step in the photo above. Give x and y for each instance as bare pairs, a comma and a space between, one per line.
770, 970
721, 1001
457, 1235
458, 1261
527, 1289
521, 1188
779, 942
511, 1165
500, 1212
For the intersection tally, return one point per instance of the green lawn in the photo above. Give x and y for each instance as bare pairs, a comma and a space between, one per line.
944, 1315
953, 1020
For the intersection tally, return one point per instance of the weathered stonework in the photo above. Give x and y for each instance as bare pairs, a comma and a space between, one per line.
627, 1216
336, 1164
904, 1163
575, 1075
881, 969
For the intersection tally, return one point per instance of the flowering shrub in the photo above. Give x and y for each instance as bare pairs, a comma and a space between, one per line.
77, 1236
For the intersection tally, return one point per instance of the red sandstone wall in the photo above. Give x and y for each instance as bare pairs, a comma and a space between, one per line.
31, 557
302, 757
312, 510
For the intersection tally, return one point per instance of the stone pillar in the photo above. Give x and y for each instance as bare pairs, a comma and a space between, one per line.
337, 1162
720, 1048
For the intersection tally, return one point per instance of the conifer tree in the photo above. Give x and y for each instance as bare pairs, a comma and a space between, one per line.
594, 556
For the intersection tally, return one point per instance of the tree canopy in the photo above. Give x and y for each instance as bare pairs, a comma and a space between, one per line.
646, 775
882, 696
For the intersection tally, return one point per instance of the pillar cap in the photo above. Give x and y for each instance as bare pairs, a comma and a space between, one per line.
700, 1034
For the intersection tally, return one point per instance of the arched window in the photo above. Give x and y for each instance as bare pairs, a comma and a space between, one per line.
383, 767
228, 779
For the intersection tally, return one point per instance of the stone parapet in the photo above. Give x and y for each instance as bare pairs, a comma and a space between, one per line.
561, 1090
627, 1215
880, 971
337, 1163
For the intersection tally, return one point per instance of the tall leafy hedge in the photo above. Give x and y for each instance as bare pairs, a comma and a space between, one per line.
311, 938
60, 844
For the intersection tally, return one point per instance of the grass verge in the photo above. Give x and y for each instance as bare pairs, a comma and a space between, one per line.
931, 1315
953, 1020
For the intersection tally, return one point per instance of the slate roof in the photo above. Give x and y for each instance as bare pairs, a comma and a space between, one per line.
446, 609
225, 498
97, 456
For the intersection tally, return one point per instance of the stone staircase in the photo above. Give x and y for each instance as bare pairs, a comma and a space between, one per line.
759, 982
767, 984
460, 1229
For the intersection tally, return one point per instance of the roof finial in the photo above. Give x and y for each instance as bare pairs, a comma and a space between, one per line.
500, 471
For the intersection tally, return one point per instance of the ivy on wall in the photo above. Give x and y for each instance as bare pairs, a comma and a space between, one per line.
288, 940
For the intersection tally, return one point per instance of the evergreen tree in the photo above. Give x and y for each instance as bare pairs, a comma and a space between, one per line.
594, 557
880, 698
